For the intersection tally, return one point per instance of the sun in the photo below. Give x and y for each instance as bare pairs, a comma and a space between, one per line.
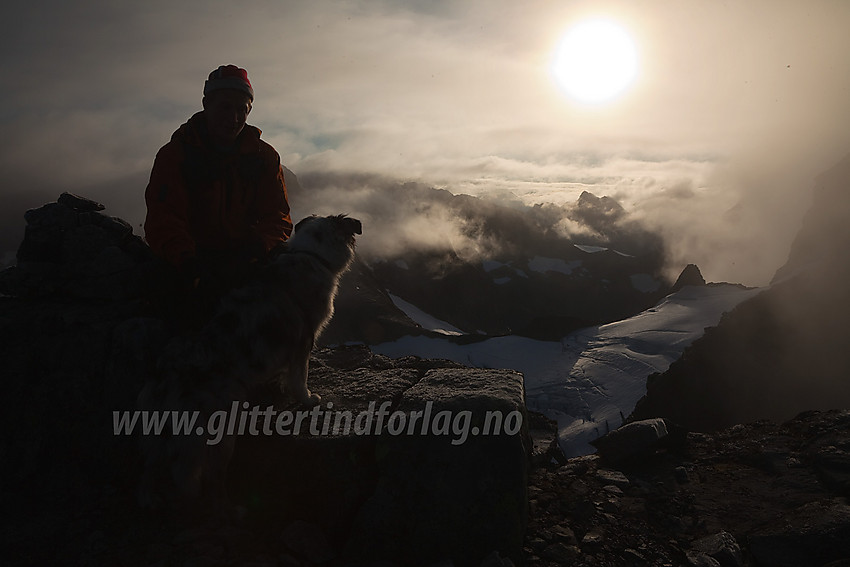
595, 62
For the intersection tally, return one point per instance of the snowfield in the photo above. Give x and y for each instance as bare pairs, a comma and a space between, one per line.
593, 377
423, 319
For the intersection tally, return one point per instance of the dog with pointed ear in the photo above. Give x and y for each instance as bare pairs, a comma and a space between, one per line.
319, 252
262, 332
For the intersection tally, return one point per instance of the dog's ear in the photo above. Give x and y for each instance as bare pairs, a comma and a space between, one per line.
353, 226
303, 221
348, 225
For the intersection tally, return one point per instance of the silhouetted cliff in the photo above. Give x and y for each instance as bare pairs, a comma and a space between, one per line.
785, 350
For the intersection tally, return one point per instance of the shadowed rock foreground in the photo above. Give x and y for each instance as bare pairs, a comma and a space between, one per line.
78, 341
760, 494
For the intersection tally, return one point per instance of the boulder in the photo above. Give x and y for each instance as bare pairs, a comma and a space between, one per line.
72, 249
78, 203
409, 462
633, 439
721, 547
453, 485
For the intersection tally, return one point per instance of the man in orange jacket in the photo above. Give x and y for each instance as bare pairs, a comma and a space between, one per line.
216, 201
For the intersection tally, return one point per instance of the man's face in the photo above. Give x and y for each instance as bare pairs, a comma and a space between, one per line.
226, 111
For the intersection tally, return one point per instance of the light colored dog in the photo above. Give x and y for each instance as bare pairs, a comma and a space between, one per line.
261, 332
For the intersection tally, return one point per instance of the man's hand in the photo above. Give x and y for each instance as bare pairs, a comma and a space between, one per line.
253, 252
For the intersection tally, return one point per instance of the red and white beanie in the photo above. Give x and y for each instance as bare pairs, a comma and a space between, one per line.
229, 77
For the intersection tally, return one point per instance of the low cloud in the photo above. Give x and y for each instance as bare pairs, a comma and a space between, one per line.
398, 217
738, 222
735, 110
401, 219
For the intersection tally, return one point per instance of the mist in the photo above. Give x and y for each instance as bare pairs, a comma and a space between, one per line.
736, 221
736, 109
739, 225
404, 220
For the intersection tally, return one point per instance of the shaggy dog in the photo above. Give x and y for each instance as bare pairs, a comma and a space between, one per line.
261, 332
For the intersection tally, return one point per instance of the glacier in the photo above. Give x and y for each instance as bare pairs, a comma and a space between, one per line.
592, 378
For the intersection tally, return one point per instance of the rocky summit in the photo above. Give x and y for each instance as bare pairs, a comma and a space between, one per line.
355, 484
760, 494
79, 340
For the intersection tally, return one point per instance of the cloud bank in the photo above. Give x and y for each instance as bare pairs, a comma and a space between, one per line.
736, 108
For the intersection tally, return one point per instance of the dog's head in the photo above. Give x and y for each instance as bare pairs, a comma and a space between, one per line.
331, 238
340, 226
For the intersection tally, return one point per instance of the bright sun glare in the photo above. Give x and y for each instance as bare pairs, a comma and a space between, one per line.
595, 61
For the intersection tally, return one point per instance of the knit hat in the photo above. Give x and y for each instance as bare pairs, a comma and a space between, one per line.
229, 77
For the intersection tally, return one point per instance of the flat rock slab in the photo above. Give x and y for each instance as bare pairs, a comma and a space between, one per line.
426, 464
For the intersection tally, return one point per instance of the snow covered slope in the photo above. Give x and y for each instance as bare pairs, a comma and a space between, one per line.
423, 319
592, 377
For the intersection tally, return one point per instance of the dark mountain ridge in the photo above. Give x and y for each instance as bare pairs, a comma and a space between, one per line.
488, 267
783, 351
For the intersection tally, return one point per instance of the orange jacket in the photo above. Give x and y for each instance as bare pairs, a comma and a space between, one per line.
200, 198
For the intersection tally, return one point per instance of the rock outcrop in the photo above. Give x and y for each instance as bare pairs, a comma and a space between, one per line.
79, 343
753, 495
689, 276
631, 440
72, 249
444, 480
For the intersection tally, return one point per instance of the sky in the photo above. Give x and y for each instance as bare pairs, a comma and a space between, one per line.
735, 106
